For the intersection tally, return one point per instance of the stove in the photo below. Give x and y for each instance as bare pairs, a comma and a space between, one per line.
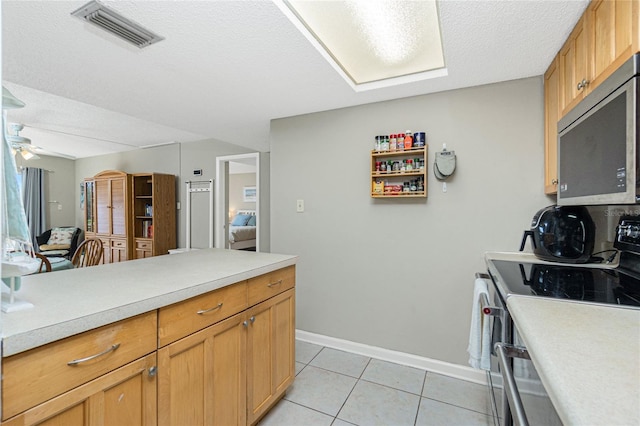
587, 283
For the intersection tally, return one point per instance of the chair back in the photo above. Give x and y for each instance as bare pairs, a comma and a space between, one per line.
45, 265
88, 253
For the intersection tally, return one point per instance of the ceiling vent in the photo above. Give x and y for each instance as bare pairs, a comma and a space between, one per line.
109, 20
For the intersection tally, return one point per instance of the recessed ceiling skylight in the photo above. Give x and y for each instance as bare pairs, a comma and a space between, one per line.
373, 43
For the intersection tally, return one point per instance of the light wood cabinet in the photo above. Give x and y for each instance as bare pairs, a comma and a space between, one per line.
270, 353
125, 396
154, 214
42, 377
221, 360
551, 117
613, 37
107, 213
133, 215
573, 67
202, 377
607, 34
228, 370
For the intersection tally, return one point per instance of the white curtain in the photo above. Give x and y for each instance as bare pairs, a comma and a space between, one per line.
33, 200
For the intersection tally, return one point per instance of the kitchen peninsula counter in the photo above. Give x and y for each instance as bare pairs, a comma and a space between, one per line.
587, 356
70, 302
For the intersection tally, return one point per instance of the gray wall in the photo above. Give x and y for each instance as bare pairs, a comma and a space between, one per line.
58, 181
398, 274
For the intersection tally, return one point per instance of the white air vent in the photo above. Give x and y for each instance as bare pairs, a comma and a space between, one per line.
111, 21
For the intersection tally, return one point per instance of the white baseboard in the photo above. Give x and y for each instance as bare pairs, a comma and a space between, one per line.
435, 366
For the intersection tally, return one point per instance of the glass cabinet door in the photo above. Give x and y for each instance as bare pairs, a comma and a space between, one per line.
89, 207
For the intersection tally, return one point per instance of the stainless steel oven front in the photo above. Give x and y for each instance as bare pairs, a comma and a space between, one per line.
518, 396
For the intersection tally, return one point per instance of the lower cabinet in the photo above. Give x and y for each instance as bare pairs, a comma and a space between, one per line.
270, 352
232, 372
125, 396
202, 377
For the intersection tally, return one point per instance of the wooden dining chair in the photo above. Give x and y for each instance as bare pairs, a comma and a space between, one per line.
45, 265
88, 253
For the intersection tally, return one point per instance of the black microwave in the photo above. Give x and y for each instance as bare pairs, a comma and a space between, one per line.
598, 143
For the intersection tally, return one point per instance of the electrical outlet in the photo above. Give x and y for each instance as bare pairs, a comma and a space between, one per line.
300, 206
59, 206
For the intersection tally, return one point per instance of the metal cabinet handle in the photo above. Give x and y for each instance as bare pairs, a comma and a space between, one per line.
554, 181
89, 358
252, 319
515, 403
153, 371
584, 83
274, 284
245, 323
204, 311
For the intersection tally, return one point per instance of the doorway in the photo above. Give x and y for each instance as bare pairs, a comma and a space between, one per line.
238, 194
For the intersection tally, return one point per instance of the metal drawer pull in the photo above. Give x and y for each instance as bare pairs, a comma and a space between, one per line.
204, 311
515, 403
276, 283
89, 358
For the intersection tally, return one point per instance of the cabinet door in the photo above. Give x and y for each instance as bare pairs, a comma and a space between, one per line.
270, 352
611, 25
126, 396
103, 206
202, 377
118, 207
117, 250
551, 116
89, 207
573, 67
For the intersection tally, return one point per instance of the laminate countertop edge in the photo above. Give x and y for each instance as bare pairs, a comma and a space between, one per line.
587, 357
73, 301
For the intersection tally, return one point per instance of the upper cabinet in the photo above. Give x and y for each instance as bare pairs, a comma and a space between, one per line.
573, 67
606, 36
551, 116
613, 36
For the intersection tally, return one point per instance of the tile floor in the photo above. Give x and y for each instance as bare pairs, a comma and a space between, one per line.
336, 388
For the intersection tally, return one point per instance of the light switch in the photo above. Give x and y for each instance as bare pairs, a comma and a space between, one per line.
300, 206
59, 206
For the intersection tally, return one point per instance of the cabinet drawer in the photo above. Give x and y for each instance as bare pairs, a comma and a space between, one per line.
184, 318
39, 374
143, 245
119, 243
268, 285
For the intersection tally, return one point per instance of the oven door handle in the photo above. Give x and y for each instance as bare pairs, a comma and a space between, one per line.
505, 351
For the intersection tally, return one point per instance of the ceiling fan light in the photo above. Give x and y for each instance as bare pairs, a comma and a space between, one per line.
27, 155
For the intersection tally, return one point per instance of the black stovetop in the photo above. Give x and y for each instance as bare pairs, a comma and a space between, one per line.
570, 282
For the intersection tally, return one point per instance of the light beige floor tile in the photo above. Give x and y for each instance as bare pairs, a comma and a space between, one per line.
286, 413
320, 389
457, 392
396, 376
341, 362
306, 351
371, 404
438, 413
299, 367
338, 422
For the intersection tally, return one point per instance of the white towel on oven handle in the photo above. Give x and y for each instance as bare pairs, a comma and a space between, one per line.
479, 334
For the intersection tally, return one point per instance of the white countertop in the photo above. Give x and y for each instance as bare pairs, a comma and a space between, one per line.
72, 301
587, 356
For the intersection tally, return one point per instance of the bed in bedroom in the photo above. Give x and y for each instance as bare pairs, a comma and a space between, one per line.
242, 230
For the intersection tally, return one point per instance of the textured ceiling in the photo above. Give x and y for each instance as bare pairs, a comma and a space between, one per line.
226, 68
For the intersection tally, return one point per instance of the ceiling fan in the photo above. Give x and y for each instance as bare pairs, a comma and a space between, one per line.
20, 144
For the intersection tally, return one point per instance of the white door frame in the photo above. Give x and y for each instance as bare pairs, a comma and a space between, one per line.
222, 185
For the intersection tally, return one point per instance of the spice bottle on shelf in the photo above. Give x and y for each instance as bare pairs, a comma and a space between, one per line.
393, 143
383, 166
384, 143
409, 164
376, 146
400, 141
408, 140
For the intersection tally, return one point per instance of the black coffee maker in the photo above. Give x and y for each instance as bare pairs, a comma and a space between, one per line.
562, 234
